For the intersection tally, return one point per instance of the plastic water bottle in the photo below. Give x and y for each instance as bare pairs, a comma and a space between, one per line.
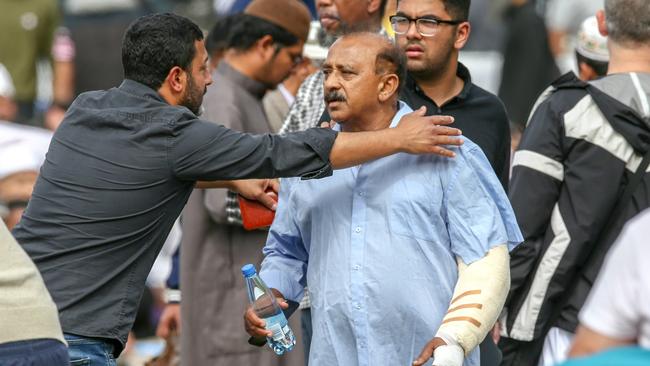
266, 307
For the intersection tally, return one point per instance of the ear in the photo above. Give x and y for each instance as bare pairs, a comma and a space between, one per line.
462, 35
602, 23
373, 6
388, 87
176, 80
265, 47
586, 72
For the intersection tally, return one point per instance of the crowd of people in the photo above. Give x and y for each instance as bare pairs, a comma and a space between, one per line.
421, 217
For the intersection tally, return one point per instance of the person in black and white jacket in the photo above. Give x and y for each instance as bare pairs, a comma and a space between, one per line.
582, 146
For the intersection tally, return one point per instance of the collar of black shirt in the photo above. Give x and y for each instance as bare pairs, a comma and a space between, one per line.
462, 72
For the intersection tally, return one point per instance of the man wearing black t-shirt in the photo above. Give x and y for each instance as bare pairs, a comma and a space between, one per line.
431, 34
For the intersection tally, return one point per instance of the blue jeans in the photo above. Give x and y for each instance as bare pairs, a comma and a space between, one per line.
34, 352
85, 351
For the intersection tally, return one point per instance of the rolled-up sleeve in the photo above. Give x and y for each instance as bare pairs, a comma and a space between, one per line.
479, 216
285, 263
202, 150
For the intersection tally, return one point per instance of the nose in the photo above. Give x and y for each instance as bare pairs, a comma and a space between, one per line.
323, 3
330, 82
208, 80
412, 31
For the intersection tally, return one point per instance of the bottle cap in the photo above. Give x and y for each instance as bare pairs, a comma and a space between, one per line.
248, 270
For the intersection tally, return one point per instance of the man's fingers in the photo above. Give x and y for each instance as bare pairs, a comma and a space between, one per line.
274, 185
254, 325
163, 329
267, 201
447, 131
448, 140
442, 120
283, 303
420, 111
438, 150
426, 354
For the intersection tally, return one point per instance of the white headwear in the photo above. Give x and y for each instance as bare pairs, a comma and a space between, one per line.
591, 44
22, 148
7, 89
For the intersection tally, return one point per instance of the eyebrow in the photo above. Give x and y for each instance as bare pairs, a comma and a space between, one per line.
428, 16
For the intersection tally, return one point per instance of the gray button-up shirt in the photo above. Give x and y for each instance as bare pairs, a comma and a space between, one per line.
117, 174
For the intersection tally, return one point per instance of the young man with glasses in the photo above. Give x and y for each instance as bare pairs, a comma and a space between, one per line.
431, 33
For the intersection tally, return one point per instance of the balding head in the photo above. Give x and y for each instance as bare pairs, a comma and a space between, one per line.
363, 71
628, 21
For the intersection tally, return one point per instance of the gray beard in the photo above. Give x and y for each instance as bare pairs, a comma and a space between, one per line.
327, 39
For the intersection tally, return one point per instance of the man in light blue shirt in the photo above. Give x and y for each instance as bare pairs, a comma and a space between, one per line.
378, 243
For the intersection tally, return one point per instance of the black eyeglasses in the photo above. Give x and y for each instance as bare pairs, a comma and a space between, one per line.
427, 27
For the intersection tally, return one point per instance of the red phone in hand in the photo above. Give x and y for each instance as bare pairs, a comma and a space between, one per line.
254, 214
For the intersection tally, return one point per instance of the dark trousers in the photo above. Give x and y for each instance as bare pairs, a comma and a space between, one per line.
305, 322
35, 352
490, 353
518, 353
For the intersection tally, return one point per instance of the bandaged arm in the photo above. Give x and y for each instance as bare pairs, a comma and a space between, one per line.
478, 298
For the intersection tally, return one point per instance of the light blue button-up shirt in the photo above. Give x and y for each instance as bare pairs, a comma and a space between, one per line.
377, 245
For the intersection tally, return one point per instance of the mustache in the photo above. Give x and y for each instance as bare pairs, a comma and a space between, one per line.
334, 96
328, 14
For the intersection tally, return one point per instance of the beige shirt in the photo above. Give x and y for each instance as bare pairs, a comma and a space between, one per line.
26, 308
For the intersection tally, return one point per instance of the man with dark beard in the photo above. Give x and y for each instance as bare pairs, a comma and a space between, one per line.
124, 161
431, 33
264, 44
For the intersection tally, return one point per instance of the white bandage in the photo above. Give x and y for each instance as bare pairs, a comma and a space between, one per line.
478, 298
448, 356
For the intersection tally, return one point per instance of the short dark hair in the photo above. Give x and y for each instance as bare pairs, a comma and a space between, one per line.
600, 67
457, 9
382, 8
217, 39
154, 44
248, 29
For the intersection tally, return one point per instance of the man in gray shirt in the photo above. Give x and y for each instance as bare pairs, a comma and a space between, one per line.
124, 161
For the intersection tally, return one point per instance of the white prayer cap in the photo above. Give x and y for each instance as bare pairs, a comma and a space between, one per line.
591, 44
6, 84
22, 148
312, 48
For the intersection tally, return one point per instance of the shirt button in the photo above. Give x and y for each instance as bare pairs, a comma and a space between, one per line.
358, 307
361, 194
357, 267
358, 229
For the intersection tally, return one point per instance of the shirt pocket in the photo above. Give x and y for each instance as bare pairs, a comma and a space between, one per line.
410, 210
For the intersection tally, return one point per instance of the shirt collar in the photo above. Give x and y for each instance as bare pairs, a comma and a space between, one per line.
252, 86
140, 90
401, 111
462, 72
